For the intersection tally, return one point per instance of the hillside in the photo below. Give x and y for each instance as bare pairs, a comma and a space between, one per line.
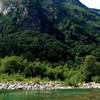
96, 10
62, 33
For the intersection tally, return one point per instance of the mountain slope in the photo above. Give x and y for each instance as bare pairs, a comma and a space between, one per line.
77, 2
68, 23
96, 10
51, 39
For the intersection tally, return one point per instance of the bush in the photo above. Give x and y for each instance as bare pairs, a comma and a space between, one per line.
12, 65
36, 69
5, 78
18, 77
52, 74
35, 79
96, 79
11, 78
74, 77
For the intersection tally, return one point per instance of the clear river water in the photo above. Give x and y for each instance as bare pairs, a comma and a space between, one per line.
72, 94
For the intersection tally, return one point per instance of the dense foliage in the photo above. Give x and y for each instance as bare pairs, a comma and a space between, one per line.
57, 41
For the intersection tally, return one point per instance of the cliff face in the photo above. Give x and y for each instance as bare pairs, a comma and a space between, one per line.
1, 5
54, 17
31, 16
41, 14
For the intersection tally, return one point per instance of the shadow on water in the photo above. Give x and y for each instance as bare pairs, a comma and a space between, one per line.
72, 94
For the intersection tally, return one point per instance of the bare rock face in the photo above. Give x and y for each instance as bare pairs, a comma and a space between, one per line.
30, 15
6, 8
1, 5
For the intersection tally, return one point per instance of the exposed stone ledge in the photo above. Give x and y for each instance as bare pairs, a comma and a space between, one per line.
43, 86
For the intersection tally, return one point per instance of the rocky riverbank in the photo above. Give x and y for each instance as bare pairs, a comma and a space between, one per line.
29, 86
43, 86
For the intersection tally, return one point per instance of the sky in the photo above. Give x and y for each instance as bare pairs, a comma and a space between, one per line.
91, 3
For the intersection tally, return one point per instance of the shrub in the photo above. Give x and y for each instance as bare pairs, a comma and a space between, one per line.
36, 69
96, 79
74, 77
11, 78
12, 65
18, 77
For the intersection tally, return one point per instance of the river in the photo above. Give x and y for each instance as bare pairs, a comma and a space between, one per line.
72, 94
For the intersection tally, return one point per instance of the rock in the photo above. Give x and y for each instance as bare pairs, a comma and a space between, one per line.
44, 85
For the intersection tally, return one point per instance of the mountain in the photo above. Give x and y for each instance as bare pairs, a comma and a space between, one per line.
55, 39
96, 10
70, 24
76, 2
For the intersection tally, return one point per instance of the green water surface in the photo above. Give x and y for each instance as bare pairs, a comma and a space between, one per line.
72, 94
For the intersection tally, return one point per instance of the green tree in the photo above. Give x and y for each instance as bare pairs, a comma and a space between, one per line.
12, 65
